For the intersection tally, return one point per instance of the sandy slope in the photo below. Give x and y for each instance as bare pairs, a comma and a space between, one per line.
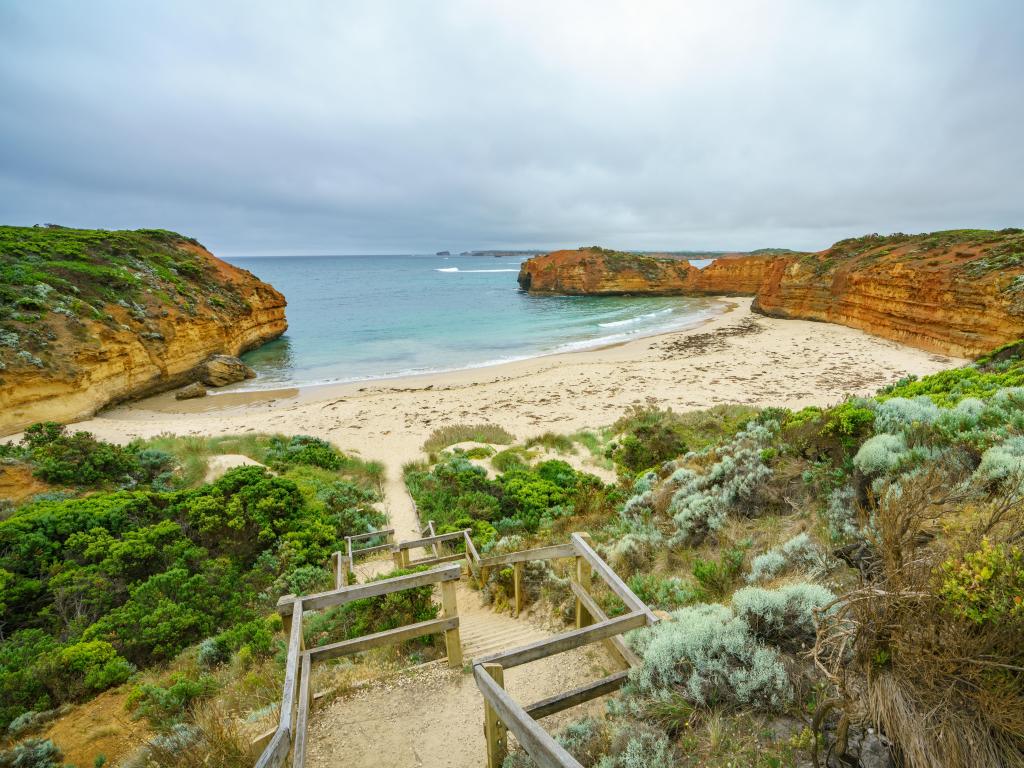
736, 358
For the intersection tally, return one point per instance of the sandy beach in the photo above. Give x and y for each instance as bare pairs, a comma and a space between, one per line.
738, 357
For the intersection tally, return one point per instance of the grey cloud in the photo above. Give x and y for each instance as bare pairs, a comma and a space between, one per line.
345, 127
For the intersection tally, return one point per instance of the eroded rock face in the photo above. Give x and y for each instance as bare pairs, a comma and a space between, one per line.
599, 272
151, 343
221, 370
959, 292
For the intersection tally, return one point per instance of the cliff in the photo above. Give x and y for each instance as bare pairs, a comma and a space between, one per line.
90, 317
601, 272
958, 292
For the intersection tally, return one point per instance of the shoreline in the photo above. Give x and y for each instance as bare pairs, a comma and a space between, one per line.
165, 402
736, 357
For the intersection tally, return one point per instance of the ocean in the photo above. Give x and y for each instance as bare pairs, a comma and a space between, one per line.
353, 318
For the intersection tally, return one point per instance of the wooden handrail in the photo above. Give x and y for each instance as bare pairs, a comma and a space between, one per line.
537, 742
527, 555
615, 584
565, 641
344, 595
426, 542
561, 701
387, 637
618, 646
371, 534
276, 752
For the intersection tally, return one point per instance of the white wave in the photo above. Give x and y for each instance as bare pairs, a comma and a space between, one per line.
637, 319
456, 269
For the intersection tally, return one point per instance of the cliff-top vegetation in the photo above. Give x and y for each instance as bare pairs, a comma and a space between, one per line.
55, 282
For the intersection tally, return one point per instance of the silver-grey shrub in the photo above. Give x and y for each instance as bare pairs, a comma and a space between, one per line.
703, 500
799, 553
784, 616
708, 654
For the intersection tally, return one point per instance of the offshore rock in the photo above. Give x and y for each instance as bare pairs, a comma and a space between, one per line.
193, 390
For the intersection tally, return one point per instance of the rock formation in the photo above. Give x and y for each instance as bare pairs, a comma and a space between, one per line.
221, 370
959, 292
89, 318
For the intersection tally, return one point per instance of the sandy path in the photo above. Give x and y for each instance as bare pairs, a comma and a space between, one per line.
433, 716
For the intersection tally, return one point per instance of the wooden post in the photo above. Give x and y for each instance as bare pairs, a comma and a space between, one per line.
396, 555
452, 639
517, 580
430, 527
345, 564
494, 730
485, 573
584, 574
336, 562
348, 542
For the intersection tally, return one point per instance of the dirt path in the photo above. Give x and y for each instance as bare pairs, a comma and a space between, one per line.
433, 716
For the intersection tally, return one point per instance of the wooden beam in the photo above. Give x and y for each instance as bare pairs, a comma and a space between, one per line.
387, 637
584, 574
302, 721
435, 560
527, 555
517, 584
372, 589
616, 645
537, 742
617, 585
561, 701
494, 730
427, 541
566, 641
375, 548
452, 640
276, 752
291, 666
371, 534
433, 532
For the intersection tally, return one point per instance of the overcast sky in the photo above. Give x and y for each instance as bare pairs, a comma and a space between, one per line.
396, 127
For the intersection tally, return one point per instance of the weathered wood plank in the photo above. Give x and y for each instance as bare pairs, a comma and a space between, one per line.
371, 534
291, 667
566, 641
584, 575
374, 548
471, 548
527, 555
615, 645
452, 640
561, 701
436, 560
617, 585
517, 584
302, 721
433, 532
426, 542
494, 731
276, 752
537, 742
373, 589
387, 637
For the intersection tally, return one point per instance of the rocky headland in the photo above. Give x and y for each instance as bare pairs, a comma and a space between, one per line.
90, 317
958, 292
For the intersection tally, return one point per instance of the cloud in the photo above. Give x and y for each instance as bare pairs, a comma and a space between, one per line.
345, 127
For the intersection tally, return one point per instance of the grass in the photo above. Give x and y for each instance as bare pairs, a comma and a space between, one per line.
552, 441
442, 437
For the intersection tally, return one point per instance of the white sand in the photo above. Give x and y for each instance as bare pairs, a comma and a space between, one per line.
790, 363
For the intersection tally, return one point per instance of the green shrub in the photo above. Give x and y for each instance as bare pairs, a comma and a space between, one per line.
87, 668
508, 460
717, 577
986, 585
650, 438
664, 592
165, 705
302, 450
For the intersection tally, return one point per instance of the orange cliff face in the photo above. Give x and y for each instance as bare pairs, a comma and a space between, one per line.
141, 346
599, 272
959, 292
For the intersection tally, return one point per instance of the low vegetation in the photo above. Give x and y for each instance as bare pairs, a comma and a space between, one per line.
443, 437
92, 573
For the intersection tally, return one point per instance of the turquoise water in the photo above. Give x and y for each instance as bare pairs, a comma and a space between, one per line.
365, 317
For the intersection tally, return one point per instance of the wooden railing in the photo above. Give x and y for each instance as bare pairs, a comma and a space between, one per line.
341, 563
501, 712
297, 695
401, 551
